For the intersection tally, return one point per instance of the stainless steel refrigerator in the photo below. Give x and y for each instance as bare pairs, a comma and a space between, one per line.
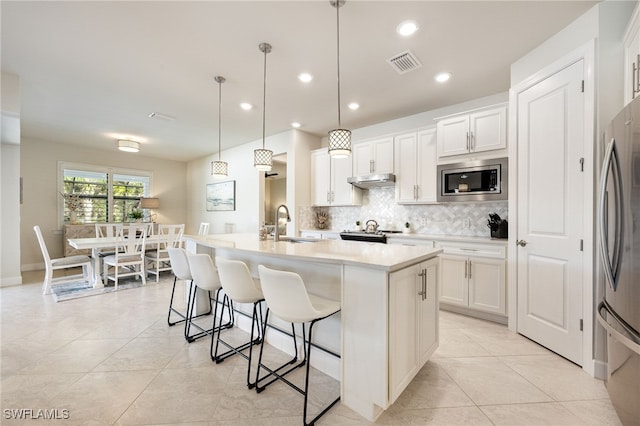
619, 229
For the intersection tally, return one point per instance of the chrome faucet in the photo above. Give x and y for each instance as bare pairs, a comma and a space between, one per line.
276, 236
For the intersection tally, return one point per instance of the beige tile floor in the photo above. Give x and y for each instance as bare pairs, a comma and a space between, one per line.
112, 359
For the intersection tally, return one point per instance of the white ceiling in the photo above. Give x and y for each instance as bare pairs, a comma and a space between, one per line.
92, 72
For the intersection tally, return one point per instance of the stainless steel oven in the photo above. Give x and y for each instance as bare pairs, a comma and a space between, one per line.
480, 180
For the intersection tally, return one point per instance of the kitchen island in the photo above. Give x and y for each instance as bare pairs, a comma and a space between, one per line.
388, 326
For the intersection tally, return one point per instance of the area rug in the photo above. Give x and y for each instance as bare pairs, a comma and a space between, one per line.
77, 289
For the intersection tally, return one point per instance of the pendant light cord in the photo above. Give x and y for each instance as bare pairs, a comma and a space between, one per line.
264, 97
219, 119
338, 55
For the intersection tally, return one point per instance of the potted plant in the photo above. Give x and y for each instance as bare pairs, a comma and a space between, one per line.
407, 228
358, 225
136, 215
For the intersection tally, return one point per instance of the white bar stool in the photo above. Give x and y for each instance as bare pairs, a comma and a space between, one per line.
181, 271
205, 276
286, 295
240, 287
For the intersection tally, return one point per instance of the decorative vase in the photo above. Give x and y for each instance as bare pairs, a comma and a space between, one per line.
73, 217
320, 225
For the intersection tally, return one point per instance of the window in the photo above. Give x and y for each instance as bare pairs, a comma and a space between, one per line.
106, 195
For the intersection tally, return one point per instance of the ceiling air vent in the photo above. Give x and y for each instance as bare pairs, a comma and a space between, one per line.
404, 62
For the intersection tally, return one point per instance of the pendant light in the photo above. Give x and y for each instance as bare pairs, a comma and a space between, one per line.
219, 168
262, 157
339, 139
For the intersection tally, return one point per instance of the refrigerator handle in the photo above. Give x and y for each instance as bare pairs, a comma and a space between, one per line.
618, 328
611, 265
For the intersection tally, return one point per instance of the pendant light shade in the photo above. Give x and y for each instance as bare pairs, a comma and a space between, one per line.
339, 139
219, 168
262, 158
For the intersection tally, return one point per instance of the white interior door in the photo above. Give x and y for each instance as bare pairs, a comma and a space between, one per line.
550, 212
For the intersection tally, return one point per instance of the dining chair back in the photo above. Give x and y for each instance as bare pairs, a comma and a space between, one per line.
157, 259
204, 228
104, 230
128, 259
61, 263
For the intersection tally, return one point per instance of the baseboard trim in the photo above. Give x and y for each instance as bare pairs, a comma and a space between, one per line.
32, 267
601, 370
473, 313
10, 281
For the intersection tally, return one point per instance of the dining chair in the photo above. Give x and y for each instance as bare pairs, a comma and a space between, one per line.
204, 228
128, 259
61, 263
168, 236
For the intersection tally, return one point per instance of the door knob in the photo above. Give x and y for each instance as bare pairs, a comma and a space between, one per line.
521, 243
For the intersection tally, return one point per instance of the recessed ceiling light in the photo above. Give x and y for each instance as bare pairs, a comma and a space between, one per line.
353, 105
407, 28
246, 106
442, 77
305, 77
295, 124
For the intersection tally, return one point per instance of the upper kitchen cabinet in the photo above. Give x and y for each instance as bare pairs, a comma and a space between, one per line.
373, 157
415, 165
329, 185
632, 57
477, 131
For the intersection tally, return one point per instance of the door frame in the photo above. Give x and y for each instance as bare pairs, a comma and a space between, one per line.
586, 52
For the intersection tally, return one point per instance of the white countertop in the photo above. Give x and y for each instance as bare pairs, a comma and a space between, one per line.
430, 237
377, 256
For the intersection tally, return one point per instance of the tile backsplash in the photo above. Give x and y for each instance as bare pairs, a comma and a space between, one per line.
466, 219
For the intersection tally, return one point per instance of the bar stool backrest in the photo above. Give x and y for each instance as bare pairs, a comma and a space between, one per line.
286, 295
204, 274
237, 281
179, 263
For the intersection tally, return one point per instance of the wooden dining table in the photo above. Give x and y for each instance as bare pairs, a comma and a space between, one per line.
96, 244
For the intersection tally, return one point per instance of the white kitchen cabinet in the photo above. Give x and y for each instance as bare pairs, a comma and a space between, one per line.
329, 185
413, 322
631, 43
415, 167
373, 157
472, 132
473, 277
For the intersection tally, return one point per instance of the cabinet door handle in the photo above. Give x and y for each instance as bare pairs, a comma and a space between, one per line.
333, 196
424, 281
469, 269
471, 142
423, 284
466, 268
634, 79
371, 167
328, 197
467, 141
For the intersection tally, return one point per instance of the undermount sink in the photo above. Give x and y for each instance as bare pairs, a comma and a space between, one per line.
299, 240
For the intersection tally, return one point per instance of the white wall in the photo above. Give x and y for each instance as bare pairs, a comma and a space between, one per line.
39, 164
10, 182
250, 200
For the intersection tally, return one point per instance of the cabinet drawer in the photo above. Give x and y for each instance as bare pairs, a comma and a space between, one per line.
473, 249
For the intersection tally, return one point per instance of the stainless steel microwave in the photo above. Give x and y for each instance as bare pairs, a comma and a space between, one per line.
480, 180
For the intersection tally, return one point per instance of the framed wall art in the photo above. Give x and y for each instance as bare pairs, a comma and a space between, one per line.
221, 197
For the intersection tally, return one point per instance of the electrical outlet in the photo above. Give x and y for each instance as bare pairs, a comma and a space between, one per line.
422, 222
466, 223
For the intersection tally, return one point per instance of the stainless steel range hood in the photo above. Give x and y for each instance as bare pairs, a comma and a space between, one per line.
373, 181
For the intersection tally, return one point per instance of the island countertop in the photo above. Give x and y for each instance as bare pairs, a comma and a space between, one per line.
387, 257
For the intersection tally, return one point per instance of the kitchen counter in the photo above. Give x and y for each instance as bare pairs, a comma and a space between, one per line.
388, 325
371, 255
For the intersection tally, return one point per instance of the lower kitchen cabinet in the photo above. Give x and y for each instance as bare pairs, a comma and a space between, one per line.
413, 322
473, 282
